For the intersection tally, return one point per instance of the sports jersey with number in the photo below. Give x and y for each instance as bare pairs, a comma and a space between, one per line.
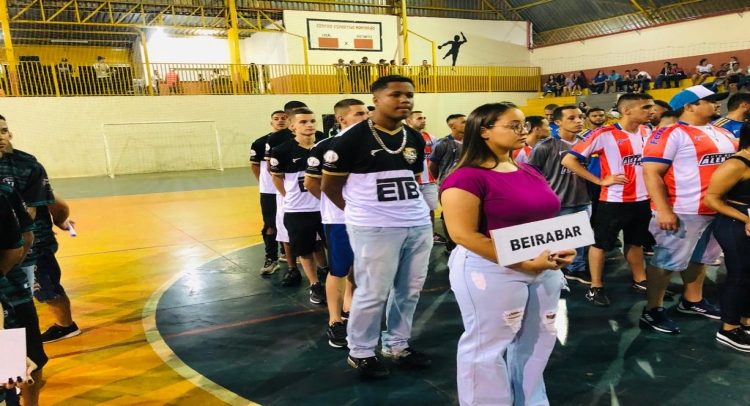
44, 236
733, 126
257, 154
430, 143
619, 152
693, 153
329, 212
381, 190
521, 156
290, 161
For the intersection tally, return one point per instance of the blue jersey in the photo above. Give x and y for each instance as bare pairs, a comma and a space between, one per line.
554, 128
730, 125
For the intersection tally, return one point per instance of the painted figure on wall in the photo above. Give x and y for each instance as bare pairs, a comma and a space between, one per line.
455, 46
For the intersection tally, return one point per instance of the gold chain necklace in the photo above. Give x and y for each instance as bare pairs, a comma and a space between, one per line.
382, 144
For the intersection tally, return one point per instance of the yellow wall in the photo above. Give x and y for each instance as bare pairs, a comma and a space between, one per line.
77, 55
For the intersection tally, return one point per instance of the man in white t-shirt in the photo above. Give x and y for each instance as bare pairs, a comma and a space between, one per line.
427, 184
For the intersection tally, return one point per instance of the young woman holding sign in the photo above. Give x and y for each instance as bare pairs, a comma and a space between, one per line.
508, 312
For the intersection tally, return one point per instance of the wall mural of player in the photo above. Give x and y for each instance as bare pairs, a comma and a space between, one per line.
455, 45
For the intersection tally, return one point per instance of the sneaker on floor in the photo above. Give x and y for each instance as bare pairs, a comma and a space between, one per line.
438, 239
702, 308
337, 335
317, 293
737, 339
323, 274
658, 320
580, 276
282, 257
57, 333
370, 367
598, 297
408, 357
269, 267
640, 287
292, 277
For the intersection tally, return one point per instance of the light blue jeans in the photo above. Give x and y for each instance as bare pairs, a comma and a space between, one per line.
509, 322
579, 264
390, 267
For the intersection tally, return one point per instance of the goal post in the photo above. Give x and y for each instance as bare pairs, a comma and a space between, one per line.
162, 146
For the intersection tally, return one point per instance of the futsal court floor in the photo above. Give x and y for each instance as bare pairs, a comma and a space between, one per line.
164, 282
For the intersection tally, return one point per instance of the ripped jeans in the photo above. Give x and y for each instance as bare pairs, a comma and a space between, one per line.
509, 322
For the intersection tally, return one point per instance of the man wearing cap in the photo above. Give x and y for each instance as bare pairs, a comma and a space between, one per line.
677, 164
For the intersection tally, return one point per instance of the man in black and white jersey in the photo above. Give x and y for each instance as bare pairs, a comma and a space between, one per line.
301, 209
268, 193
340, 256
369, 172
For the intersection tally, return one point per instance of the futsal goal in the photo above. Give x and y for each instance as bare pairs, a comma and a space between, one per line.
161, 146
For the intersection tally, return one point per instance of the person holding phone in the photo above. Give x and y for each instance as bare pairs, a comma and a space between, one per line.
508, 312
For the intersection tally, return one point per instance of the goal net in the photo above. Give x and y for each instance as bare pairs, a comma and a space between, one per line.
164, 146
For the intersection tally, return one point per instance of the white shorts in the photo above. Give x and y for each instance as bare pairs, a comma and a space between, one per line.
430, 193
693, 242
281, 234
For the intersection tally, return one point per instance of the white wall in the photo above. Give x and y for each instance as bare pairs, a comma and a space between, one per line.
69, 141
690, 38
490, 43
266, 48
201, 49
296, 22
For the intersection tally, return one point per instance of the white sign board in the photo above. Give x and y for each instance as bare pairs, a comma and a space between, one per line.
336, 35
13, 348
526, 241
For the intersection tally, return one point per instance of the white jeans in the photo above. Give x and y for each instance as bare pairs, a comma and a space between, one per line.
509, 322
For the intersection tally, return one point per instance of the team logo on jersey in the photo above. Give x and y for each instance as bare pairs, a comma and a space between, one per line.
714, 159
10, 181
253, 154
619, 142
274, 162
331, 156
268, 147
632, 160
410, 155
698, 137
393, 189
313, 162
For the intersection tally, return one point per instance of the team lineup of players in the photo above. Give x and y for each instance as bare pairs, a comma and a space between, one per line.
645, 176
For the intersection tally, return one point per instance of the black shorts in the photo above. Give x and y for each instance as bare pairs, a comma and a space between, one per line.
268, 209
47, 276
630, 218
27, 318
303, 228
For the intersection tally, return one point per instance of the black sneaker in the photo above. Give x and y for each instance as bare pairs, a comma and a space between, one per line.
317, 293
370, 367
323, 274
57, 333
640, 287
702, 308
598, 297
292, 277
269, 267
658, 320
337, 335
345, 315
408, 357
580, 276
736, 338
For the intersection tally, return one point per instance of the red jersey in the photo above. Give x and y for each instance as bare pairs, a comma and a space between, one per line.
521, 156
619, 152
693, 153
430, 142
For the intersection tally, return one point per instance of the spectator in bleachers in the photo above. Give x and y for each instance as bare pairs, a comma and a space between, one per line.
667, 75
352, 72
560, 79
642, 79
598, 83
102, 75
626, 82
734, 74
382, 68
253, 76
679, 72
614, 81
341, 74
173, 81
584, 107
393, 68
570, 84
549, 87
155, 80
65, 76
365, 73
404, 62
583, 80
720, 80
424, 75
702, 72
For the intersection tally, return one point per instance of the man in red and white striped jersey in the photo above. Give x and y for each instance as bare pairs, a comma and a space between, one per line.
427, 184
539, 129
678, 162
623, 202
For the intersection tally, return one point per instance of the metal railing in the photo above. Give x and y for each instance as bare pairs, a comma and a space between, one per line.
165, 79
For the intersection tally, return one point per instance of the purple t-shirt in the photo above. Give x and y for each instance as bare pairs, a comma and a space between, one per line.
508, 199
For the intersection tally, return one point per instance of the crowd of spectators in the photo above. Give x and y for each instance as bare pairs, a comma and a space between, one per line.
730, 75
